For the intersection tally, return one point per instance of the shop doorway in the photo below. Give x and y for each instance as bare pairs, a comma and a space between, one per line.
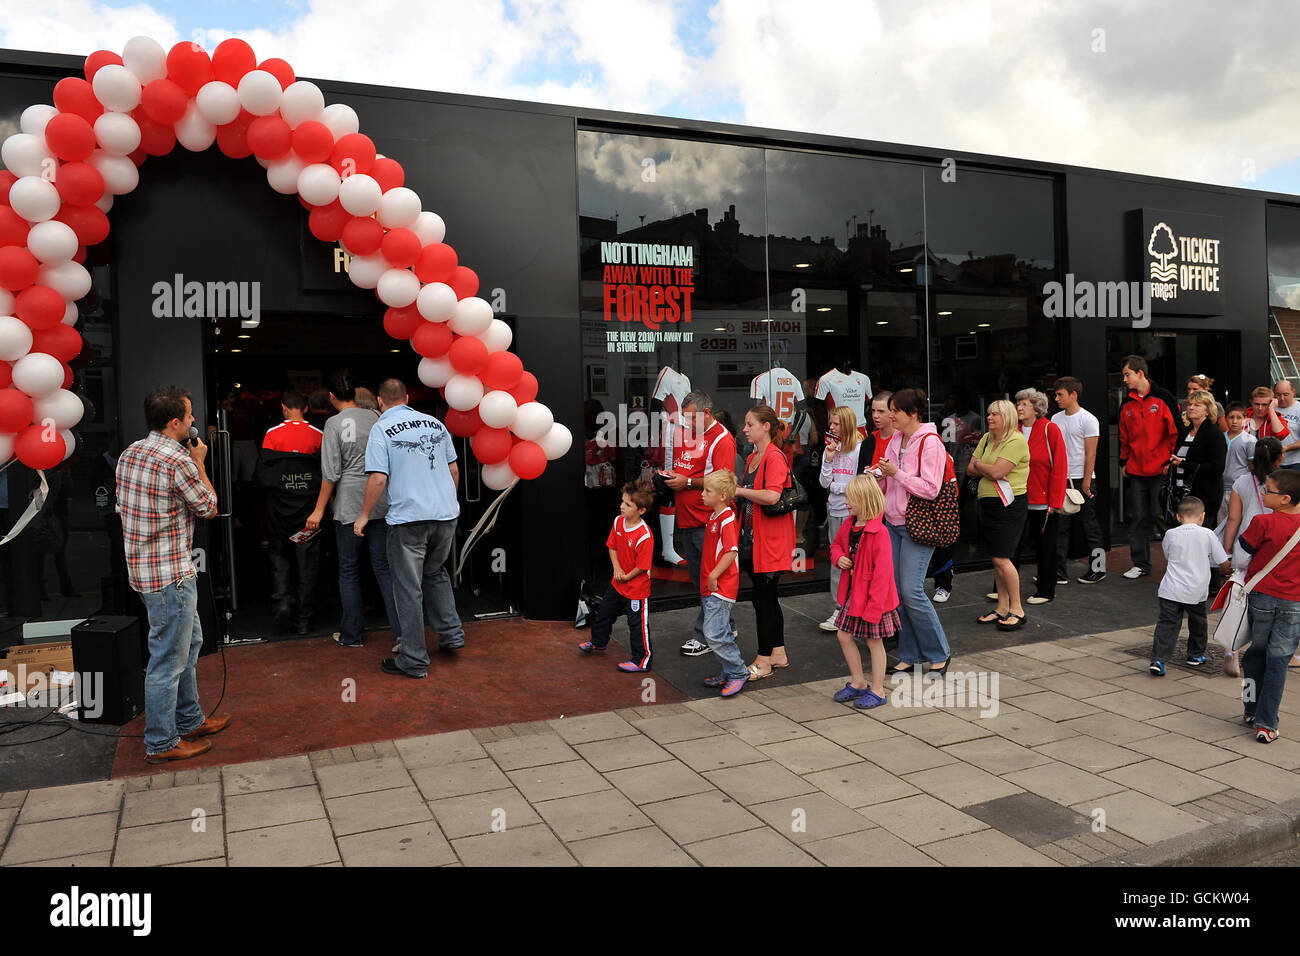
247, 371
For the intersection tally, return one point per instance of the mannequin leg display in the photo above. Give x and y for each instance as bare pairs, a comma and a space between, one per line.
667, 522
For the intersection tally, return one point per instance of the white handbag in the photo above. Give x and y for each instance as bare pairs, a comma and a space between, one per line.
1233, 630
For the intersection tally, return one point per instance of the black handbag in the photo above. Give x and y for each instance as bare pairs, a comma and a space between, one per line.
793, 496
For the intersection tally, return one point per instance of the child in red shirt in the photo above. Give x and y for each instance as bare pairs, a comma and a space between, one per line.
631, 546
868, 597
720, 581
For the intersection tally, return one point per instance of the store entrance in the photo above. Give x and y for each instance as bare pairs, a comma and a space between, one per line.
247, 373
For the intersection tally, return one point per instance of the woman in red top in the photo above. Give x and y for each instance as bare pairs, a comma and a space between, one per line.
766, 474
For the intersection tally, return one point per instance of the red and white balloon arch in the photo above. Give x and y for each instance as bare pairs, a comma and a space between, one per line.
69, 161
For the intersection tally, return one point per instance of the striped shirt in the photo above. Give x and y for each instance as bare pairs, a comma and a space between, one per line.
158, 494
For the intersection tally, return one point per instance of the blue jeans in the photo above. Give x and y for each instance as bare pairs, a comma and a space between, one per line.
349, 545
1274, 635
171, 690
417, 555
693, 552
922, 635
717, 632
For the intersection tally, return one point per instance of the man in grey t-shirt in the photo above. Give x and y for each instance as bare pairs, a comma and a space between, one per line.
343, 473
1288, 409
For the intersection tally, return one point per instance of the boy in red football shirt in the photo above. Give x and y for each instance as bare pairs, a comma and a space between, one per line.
720, 580
631, 546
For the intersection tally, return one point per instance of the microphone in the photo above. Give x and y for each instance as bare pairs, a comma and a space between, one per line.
194, 436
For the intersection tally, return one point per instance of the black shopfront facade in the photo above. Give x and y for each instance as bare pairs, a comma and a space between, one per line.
626, 251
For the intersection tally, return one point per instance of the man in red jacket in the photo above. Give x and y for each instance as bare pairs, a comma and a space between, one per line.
1147, 437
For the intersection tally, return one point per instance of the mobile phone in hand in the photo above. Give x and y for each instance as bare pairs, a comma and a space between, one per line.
304, 535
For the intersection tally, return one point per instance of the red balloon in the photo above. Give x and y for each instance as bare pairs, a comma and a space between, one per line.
79, 184
279, 69
437, 263
464, 283
138, 157
232, 139
527, 460
502, 371
432, 339
61, 341
164, 101
79, 255
492, 445
189, 67
68, 377
7, 179
74, 95
402, 323
70, 137
100, 58
231, 60
16, 410
313, 142
88, 222
326, 222
13, 228
40, 307
362, 235
34, 451
463, 424
269, 137
388, 173
356, 148
6, 374
526, 390
156, 139
467, 354
18, 268
401, 248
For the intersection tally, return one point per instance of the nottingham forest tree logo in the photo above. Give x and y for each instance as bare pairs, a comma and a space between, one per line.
1164, 247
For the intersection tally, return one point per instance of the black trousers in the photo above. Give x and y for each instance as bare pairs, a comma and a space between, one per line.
638, 623
1041, 529
1144, 493
1171, 621
769, 621
1086, 517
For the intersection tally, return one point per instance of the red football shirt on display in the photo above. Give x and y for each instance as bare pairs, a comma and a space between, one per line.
635, 547
1264, 537
721, 534
293, 436
695, 458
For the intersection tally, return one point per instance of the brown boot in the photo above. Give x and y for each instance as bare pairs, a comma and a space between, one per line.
212, 725
183, 750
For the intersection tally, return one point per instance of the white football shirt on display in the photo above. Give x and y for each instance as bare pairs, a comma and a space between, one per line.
779, 388
671, 388
853, 390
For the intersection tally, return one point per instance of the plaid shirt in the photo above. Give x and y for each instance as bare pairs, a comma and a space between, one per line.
158, 494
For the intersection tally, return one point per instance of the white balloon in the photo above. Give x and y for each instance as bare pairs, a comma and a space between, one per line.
434, 373
117, 88
497, 336
498, 409
61, 406
52, 241
70, 314
341, 119
24, 154
118, 133
301, 101
260, 92
463, 392
34, 119
38, 374
69, 443
436, 302
6, 447
15, 339
399, 208
364, 271
556, 442
319, 183
35, 199
194, 131
359, 195
146, 58
283, 174
218, 102
473, 316
68, 279
429, 227
533, 421
6, 302
120, 174
105, 202
498, 477
398, 288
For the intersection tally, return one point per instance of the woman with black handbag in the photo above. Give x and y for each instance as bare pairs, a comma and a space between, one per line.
1201, 455
766, 542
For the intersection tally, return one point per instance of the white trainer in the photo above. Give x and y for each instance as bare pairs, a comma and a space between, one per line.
829, 624
941, 595
1135, 572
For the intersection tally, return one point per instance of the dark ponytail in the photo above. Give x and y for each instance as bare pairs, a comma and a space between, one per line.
1268, 451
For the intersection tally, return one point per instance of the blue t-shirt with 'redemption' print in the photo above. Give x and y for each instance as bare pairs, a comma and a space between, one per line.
415, 451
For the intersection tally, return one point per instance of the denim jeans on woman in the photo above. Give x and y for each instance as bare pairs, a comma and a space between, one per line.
922, 636
417, 555
1274, 636
171, 690
349, 546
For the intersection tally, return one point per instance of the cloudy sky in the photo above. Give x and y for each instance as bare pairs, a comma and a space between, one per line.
1196, 89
